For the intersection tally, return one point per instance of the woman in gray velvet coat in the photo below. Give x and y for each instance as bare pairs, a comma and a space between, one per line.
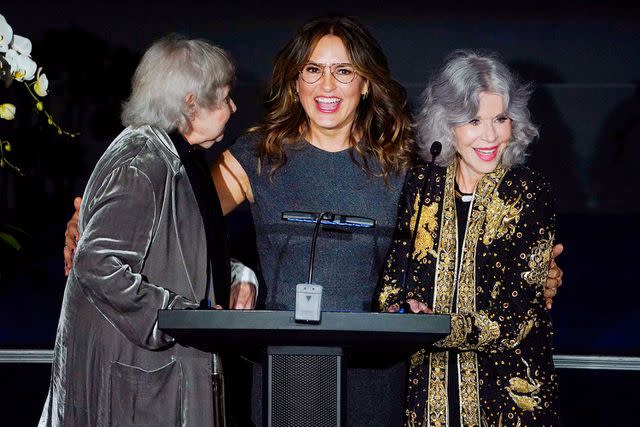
144, 247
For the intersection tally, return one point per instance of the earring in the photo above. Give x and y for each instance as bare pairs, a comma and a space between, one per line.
365, 94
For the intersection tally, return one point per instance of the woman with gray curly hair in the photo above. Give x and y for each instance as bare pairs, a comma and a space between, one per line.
474, 241
452, 99
150, 240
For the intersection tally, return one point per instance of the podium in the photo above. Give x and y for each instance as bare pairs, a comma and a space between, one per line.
305, 364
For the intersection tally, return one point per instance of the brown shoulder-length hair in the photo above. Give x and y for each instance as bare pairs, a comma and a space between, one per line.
381, 119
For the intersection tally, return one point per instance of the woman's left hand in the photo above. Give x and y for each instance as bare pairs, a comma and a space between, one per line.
554, 279
418, 307
414, 307
243, 296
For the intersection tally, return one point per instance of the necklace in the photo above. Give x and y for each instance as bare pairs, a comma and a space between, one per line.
465, 197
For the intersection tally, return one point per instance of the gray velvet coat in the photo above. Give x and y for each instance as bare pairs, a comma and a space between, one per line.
142, 248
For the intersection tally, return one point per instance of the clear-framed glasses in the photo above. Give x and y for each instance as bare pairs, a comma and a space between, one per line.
342, 72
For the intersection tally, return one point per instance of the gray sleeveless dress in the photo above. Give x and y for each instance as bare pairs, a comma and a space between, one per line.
348, 262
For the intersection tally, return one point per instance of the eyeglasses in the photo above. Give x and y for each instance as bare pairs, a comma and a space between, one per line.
342, 72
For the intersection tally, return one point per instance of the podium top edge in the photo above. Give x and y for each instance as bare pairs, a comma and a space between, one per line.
278, 320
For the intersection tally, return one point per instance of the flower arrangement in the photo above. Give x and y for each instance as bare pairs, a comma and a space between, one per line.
17, 65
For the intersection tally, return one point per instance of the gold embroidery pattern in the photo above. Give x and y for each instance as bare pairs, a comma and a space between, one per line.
460, 327
442, 303
386, 293
501, 218
524, 330
469, 393
488, 330
446, 265
426, 229
524, 392
469, 370
466, 282
417, 358
437, 399
495, 290
539, 262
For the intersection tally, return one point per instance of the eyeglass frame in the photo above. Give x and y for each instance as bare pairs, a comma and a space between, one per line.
324, 66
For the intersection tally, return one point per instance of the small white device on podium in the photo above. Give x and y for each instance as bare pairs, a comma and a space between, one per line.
309, 295
308, 302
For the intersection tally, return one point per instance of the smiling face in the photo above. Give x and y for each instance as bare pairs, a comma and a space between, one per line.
207, 124
480, 142
329, 104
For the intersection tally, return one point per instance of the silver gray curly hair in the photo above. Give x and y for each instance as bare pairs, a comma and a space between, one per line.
169, 70
451, 99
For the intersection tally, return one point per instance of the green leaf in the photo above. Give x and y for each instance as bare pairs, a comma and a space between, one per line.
10, 240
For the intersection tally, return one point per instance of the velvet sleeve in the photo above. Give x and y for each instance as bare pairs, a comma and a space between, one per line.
118, 227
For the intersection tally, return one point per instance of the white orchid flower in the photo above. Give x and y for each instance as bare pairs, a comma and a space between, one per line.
6, 35
42, 83
22, 67
22, 45
7, 111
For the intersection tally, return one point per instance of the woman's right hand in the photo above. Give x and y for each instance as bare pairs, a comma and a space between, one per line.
71, 237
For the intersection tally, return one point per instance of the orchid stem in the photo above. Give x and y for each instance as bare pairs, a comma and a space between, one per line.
50, 120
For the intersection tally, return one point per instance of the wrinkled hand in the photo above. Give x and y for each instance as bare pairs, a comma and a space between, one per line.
243, 296
418, 307
414, 307
71, 237
554, 279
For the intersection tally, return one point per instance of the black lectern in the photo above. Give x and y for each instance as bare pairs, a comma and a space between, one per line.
305, 364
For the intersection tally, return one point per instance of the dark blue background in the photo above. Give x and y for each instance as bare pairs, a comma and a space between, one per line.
584, 58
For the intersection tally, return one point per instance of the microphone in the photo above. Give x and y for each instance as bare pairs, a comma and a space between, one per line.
436, 148
326, 218
309, 295
329, 218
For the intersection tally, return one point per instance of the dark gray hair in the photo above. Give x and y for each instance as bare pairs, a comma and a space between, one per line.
451, 100
170, 69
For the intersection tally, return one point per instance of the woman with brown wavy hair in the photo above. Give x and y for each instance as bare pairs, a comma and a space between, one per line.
336, 136
379, 129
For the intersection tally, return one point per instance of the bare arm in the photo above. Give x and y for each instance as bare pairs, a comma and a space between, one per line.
231, 181
233, 188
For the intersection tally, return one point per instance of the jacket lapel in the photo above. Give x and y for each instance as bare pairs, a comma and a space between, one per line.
190, 234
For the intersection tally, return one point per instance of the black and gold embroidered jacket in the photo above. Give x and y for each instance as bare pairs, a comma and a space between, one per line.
500, 341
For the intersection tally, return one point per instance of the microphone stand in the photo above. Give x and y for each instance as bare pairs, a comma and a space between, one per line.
435, 150
314, 239
309, 294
